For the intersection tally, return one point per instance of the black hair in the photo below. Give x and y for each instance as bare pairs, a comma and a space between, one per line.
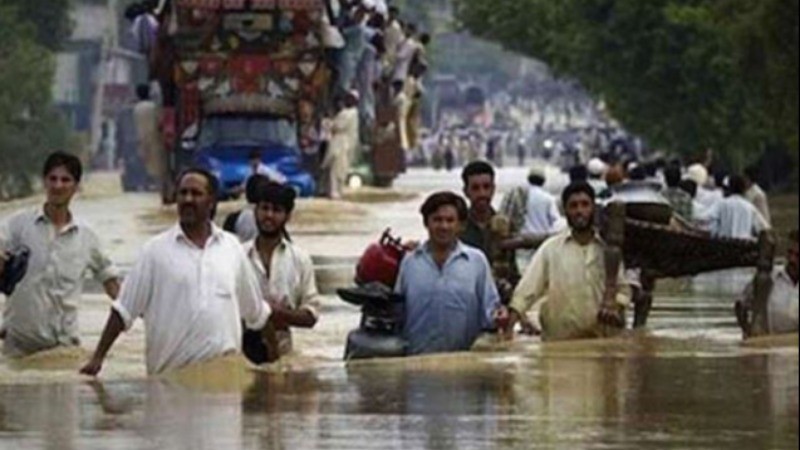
255, 154
476, 168
211, 179
637, 174
578, 173
425, 39
276, 194
143, 92
651, 169
252, 186
536, 180
689, 186
672, 174
578, 187
65, 160
794, 236
719, 178
736, 185
441, 199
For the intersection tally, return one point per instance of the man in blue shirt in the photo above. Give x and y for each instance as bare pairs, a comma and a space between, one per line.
448, 287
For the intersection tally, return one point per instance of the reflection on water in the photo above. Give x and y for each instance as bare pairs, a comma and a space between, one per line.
685, 383
538, 401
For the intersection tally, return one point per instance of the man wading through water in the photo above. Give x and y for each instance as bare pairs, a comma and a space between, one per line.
192, 286
285, 273
42, 313
567, 278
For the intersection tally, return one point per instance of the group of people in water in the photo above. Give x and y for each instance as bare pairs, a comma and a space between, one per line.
198, 287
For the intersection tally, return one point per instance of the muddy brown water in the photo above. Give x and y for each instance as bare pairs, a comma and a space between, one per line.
687, 382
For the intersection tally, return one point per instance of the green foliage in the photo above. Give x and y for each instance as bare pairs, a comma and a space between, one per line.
29, 125
685, 74
50, 18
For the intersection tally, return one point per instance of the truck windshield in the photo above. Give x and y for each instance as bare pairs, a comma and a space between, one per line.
247, 131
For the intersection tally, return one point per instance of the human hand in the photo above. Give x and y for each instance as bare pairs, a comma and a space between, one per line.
612, 315
411, 246
93, 367
529, 328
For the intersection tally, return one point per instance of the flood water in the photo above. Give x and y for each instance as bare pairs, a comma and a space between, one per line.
687, 382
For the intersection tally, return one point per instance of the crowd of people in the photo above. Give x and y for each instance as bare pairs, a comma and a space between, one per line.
379, 63
204, 292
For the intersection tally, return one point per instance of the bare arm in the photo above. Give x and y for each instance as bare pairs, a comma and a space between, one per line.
284, 318
114, 327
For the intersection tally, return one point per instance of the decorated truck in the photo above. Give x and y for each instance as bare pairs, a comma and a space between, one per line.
242, 78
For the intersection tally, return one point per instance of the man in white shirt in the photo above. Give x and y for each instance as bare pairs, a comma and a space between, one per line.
192, 286
755, 195
285, 273
542, 216
782, 305
734, 217
42, 312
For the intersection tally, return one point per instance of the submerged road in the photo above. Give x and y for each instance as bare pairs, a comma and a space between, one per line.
686, 382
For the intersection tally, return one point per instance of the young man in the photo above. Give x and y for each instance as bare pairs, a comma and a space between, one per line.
782, 306
285, 273
479, 188
192, 286
43, 311
448, 287
568, 277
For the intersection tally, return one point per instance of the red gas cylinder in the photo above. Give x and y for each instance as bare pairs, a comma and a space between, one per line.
380, 263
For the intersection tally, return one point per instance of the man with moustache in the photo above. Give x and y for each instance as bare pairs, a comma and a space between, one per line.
567, 278
42, 312
450, 297
285, 273
192, 286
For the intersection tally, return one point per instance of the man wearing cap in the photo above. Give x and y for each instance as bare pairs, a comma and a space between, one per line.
597, 170
285, 273
567, 279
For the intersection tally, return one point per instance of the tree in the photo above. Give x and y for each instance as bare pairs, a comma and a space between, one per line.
685, 74
30, 127
50, 19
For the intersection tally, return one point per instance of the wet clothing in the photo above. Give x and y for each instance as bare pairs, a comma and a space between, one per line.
291, 278
735, 217
191, 299
681, 202
42, 313
782, 306
758, 198
446, 308
567, 280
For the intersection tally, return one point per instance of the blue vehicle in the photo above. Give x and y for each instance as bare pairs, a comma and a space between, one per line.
225, 143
